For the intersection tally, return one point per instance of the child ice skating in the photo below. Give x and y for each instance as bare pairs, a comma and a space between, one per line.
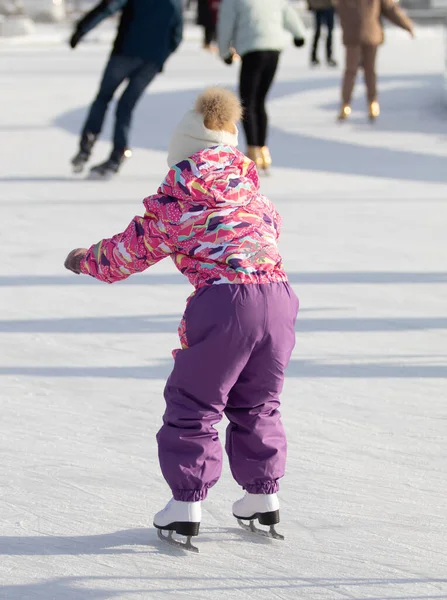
238, 329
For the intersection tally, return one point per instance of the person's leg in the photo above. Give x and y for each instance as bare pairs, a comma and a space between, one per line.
208, 36
139, 79
116, 71
329, 17
249, 81
206, 18
213, 32
217, 340
256, 441
317, 25
369, 54
352, 62
268, 71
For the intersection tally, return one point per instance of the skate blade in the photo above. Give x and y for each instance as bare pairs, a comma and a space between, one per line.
176, 543
271, 533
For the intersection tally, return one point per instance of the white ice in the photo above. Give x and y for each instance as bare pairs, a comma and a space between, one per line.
83, 364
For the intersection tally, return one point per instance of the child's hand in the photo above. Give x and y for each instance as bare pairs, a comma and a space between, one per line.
73, 260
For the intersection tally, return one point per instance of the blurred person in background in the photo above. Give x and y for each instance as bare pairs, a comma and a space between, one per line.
148, 32
361, 23
258, 31
324, 14
207, 11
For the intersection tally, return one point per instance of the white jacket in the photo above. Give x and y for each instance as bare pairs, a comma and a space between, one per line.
250, 25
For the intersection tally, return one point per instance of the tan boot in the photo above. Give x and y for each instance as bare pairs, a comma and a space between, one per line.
254, 154
235, 55
373, 110
266, 158
345, 112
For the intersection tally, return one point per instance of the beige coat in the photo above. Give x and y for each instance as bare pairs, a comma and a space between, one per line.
360, 20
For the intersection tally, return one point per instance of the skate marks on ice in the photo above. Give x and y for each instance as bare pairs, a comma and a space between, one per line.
129, 541
392, 369
148, 555
169, 323
175, 278
204, 586
39, 179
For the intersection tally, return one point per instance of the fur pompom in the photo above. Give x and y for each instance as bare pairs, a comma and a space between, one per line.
220, 108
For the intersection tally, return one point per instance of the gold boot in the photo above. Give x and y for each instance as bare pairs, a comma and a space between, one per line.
254, 154
266, 158
373, 110
345, 112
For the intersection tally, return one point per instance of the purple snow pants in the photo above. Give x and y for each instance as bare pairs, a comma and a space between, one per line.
240, 338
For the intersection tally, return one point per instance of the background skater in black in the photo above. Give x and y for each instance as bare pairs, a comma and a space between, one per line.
149, 31
324, 12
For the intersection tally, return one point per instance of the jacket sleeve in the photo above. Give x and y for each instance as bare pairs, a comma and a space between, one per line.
392, 11
143, 243
226, 26
292, 21
104, 9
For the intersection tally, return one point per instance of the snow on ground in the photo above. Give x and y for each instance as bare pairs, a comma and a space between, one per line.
83, 364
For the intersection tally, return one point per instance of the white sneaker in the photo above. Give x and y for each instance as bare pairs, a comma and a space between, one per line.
264, 507
182, 517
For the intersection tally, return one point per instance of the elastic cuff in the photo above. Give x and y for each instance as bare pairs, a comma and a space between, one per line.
82, 265
263, 487
190, 495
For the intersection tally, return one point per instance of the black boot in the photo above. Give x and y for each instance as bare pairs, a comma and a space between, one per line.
111, 166
85, 149
331, 62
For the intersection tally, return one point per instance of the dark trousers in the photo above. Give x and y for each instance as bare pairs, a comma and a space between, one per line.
209, 34
139, 74
323, 17
257, 74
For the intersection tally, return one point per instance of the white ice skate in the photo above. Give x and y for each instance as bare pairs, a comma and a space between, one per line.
264, 508
182, 518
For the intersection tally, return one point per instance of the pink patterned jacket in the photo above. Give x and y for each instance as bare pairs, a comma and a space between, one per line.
209, 216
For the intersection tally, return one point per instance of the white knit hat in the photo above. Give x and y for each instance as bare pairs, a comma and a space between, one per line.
215, 105
191, 135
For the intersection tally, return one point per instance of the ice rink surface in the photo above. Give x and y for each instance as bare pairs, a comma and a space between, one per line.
83, 364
